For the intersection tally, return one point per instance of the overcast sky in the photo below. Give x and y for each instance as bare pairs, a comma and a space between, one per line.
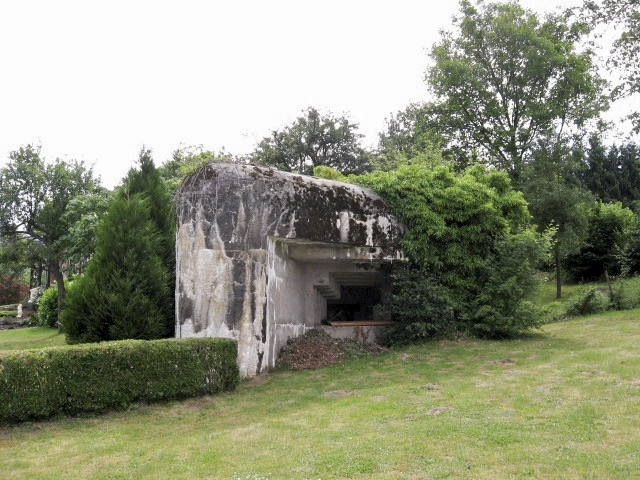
97, 80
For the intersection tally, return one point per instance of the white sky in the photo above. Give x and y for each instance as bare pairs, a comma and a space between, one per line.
97, 80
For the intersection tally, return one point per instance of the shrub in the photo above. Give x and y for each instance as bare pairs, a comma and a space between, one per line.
47, 308
609, 231
94, 377
499, 308
589, 301
471, 247
11, 291
322, 171
421, 304
626, 294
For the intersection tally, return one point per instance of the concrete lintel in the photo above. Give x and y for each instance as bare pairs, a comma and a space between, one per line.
315, 252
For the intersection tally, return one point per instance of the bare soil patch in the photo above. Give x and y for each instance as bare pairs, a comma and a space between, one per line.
428, 386
505, 361
258, 380
337, 393
438, 410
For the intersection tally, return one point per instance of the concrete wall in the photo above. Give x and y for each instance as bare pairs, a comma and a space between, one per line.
258, 251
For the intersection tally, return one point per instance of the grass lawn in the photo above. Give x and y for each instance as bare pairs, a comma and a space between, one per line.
562, 404
32, 337
546, 292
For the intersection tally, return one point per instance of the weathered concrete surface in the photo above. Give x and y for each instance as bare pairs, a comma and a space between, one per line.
363, 333
259, 251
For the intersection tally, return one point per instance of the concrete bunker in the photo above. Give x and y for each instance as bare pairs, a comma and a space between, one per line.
264, 255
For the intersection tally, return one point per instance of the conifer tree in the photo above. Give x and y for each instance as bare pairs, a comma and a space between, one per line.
146, 180
124, 292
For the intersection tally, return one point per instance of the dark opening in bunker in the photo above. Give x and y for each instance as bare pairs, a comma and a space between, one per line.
356, 304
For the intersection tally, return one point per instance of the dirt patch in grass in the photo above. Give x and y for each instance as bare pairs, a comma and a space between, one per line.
337, 393
197, 403
505, 361
379, 397
258, 380
428, 386
438, 410
317, 349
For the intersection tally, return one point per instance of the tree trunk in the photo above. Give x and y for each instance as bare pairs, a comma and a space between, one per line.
558, 274
54, 267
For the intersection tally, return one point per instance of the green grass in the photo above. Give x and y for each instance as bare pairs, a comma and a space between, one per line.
32, 337
561, 404
546, 293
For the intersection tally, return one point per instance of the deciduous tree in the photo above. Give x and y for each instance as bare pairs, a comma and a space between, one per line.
608, 233
624, 57
312, 140
557, 200
34, 200
504, 78
188, 159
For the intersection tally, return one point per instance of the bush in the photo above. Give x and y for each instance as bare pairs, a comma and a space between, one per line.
609, 231
592, 300
421, 304
472, 252
11, 291
94, 377
499, 308
322, 171
47, 308
626, 294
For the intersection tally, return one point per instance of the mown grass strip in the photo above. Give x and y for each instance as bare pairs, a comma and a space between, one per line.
562, 404
32, 337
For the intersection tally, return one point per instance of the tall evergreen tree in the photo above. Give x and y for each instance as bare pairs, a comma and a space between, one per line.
146, 181
612, 175
124, 292
600, 174
629, 161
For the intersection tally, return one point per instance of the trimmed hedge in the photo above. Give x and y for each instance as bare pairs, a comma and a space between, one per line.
73, 379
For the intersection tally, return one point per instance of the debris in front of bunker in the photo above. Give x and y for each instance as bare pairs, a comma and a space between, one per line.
317, 349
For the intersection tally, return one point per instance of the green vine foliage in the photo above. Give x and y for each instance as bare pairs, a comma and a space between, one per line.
472, 252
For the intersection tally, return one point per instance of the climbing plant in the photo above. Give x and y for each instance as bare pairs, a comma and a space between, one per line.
471, 247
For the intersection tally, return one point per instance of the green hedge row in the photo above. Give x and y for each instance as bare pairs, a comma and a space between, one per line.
93, 377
